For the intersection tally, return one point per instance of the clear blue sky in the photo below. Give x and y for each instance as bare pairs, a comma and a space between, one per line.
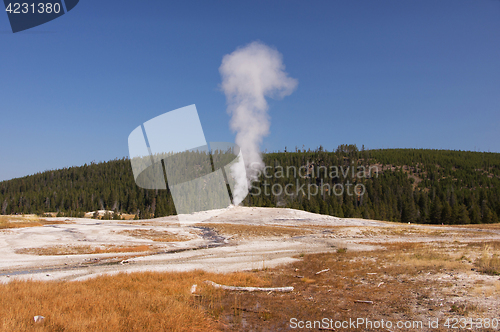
386, 74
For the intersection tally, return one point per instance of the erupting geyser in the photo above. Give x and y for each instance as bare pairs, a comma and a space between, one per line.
249, 75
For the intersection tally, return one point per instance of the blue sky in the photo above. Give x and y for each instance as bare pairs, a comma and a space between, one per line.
386, 74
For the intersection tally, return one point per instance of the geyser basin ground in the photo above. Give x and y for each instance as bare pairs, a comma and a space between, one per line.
233, 239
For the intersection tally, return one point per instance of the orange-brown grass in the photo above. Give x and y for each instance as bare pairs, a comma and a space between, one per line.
25, 221
256, 231
158, 236
81, 250
124, 302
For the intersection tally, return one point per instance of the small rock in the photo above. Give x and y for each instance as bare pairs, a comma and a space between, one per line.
38, 319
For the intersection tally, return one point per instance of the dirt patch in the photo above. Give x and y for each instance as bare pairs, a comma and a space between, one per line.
81, 250
155, 235
248, 231
407, 282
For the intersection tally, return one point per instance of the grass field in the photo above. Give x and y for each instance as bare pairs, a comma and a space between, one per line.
241, 230
25, 221
401, 281
157, 236
136, 302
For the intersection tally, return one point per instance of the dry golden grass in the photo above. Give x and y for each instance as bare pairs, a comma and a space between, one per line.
463, 309
143, 222
81, 250
126, 216
432, 256
25, 221
493, 245
452, 256
481, 226
425, 231
124, 302
489, 261
158, 236
256, 231
486, 289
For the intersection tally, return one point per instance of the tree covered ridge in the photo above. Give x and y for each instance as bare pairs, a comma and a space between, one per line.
411, 185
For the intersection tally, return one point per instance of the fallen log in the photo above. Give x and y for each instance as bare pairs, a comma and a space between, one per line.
359, 301
325, 270
251, 289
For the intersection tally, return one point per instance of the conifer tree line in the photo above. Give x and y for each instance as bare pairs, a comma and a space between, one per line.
403, 185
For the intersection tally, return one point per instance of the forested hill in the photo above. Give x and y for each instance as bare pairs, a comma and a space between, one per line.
407, 185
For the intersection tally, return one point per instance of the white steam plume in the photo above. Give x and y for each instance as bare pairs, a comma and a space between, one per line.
250, 74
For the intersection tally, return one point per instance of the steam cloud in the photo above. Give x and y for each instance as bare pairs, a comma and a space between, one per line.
249, 75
